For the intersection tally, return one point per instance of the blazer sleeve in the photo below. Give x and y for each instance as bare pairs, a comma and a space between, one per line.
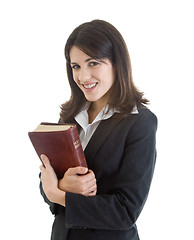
120, 209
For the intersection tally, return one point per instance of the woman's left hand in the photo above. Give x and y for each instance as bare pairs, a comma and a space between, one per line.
50, 182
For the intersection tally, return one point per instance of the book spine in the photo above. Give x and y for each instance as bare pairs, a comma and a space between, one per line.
78, 147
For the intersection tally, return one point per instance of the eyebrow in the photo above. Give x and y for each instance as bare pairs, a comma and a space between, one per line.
88, 59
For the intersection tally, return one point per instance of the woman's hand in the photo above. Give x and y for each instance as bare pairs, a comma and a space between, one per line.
79, 180
50, 182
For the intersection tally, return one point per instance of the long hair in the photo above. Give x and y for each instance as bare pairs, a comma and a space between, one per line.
99, 39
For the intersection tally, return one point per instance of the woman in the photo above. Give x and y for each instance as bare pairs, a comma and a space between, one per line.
117, 132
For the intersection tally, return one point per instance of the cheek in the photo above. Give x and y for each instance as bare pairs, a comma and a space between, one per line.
110, 79
108, 73
75, 77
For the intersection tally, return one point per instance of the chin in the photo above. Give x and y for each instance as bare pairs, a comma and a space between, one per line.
91, 99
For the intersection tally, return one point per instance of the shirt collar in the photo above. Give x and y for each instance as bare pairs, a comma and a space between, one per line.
82, 117
135, 110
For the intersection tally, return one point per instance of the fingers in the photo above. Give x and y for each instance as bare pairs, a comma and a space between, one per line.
48, 174
90, 191
88, 179
46, 166
91, 194
45, 160
79, 180
88, 186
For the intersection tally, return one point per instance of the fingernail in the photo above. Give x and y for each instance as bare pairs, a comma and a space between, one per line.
43, 157
85, 170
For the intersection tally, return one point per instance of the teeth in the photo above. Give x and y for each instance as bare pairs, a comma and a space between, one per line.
90, 85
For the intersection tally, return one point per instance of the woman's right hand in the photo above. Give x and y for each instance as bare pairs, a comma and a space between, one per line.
79, 180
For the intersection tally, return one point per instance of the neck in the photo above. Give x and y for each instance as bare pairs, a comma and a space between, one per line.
94, 110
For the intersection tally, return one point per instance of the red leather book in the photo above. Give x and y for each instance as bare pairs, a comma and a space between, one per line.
61, 144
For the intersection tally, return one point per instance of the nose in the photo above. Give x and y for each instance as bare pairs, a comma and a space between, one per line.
84, 75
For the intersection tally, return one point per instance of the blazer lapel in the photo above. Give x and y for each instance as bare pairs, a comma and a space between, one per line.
103, 130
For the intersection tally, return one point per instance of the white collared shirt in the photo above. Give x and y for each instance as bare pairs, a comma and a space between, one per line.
87, 130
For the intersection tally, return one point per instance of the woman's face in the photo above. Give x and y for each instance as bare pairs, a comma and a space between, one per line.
94, 77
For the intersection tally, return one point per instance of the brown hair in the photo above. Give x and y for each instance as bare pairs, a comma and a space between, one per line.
99, 39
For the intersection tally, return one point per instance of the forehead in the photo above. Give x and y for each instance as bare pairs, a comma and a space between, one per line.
77, 55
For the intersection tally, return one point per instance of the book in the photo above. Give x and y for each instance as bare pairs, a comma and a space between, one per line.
61, 144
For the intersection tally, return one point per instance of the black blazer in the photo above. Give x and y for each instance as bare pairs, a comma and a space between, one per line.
122, 155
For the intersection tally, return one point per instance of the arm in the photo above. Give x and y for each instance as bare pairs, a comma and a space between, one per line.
120, 207
78, 180
49, 183
53, 207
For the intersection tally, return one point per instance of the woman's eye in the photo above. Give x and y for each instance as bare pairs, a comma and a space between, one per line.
92, 64
75, 66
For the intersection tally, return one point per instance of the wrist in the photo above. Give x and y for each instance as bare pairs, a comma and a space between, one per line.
61, 185
60, 197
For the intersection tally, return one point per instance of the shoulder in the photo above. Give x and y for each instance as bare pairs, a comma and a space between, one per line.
147, 117
143, 123
144, 116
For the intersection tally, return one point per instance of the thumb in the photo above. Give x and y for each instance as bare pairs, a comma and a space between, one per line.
77, 170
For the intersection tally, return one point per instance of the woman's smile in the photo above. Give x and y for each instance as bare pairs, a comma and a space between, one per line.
90, 86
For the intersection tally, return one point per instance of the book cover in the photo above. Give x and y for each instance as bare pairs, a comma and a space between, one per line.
61, 144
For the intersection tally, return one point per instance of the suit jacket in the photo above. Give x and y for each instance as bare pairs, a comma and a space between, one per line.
122, 155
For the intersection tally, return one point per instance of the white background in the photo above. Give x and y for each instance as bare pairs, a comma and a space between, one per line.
33, 84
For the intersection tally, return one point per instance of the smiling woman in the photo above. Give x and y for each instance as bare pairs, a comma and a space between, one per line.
100, 45
117, 132
94, 77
